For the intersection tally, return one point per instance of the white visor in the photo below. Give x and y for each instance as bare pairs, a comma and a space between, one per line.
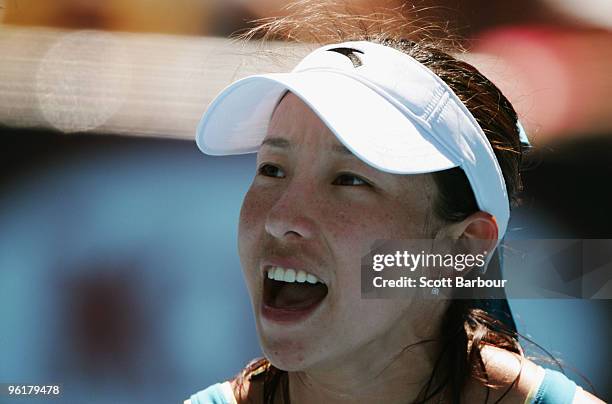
388, 109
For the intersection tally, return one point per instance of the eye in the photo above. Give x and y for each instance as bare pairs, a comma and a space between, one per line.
349, 180
269, 170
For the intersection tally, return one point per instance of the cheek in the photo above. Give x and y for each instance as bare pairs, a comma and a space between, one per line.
250, 228
352, 234
355, 230
347, 221
249, 213
354, 227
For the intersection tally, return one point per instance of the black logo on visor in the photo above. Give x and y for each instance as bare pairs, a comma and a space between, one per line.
349, 53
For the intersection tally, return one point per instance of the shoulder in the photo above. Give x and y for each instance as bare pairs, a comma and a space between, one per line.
248, 385
517, 380
511, 376
218, 393
584, 397
248, 390
245, 387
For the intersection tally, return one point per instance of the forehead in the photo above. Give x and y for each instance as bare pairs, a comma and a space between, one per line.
295, 126
296, 123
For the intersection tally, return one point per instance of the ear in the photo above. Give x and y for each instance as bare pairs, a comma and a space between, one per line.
479, 226
478, 232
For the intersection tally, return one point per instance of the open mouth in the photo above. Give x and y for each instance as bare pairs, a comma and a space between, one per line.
289, 289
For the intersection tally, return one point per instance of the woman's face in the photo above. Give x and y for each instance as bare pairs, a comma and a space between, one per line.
314, 206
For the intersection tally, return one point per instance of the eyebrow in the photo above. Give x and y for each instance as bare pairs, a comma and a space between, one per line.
277, 142
282, 143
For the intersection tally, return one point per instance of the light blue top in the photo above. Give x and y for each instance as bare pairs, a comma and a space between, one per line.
555, 388
219, 393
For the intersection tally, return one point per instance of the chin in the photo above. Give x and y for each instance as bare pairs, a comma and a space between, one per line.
287, 364
287, 354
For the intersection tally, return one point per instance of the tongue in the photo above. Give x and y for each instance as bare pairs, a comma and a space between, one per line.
299, 295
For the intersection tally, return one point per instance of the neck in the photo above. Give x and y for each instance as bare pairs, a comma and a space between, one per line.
390, 369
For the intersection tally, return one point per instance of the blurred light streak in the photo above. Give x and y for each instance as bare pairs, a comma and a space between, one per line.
159, 85
75, 88
133, 84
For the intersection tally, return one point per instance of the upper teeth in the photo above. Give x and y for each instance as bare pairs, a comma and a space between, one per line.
291, 275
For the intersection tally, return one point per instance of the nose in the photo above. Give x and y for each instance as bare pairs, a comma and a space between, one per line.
290, 217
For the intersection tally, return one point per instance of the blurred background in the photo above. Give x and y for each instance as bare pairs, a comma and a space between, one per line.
119, 274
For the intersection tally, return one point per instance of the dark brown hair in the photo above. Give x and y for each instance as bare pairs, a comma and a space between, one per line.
467, 327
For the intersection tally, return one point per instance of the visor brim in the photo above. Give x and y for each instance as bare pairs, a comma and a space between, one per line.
363, 121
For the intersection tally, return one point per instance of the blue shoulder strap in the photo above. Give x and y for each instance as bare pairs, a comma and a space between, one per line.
555, 388
211, 395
